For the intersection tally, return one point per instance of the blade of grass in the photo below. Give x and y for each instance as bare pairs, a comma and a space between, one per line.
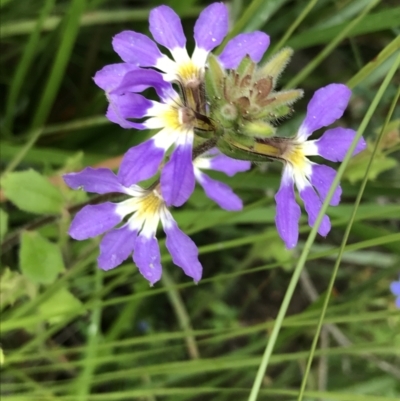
294, 25
375, 22
307, 247
12, 323
308, 69
388, 50
259, 11
25, 63
181, 314
344, 241
69, 34
19, 156
83, 384
98, 17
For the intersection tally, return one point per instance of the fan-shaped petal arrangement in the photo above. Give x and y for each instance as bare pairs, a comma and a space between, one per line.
144, 209
313, 180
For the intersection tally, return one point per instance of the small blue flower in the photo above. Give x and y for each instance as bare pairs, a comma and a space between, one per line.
395, 288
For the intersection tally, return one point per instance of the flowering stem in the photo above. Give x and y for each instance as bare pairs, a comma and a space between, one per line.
204, 147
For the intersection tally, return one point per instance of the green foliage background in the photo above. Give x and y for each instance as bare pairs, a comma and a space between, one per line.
315, 323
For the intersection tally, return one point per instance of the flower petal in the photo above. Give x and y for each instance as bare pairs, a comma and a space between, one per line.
214, 160
253, 44
335, 143
97, 180
325, 107
110, 76
140, 163
116, 246
312, 204
321, 178
129, 105
177, 176
93, 220
287, 210
136, 48
145, 78
211, 27
146, 255
219, 192
182, 249
395, 288
166, 28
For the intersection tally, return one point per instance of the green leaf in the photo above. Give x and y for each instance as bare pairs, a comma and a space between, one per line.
40, 259
356, 168
32, 192
61, 303
3, 223
14, 286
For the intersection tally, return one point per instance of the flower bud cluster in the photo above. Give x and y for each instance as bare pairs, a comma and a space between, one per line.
245, 98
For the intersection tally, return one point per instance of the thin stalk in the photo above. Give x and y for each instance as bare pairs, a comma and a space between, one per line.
181, 314
25, 63
310, 240
295, 24
344, 240
305, 72
93, 336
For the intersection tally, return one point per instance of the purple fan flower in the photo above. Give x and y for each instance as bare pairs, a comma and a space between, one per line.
138, 234
395, 288
313, 180
210, 29
219, 192
175, 124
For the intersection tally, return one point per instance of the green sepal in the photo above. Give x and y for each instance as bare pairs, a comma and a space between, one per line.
279, 105
246, 67
274, 113
214, 80
240, 154
203, 134
276, 64
239, 138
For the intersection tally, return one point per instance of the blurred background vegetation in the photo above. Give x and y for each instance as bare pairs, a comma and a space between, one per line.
73, 332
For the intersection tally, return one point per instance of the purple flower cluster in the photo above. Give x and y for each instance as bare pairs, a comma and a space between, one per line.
144, 209
130, 226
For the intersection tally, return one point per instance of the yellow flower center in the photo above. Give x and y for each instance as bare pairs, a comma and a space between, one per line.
188, 72
149, 205
296, 157
171, 118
